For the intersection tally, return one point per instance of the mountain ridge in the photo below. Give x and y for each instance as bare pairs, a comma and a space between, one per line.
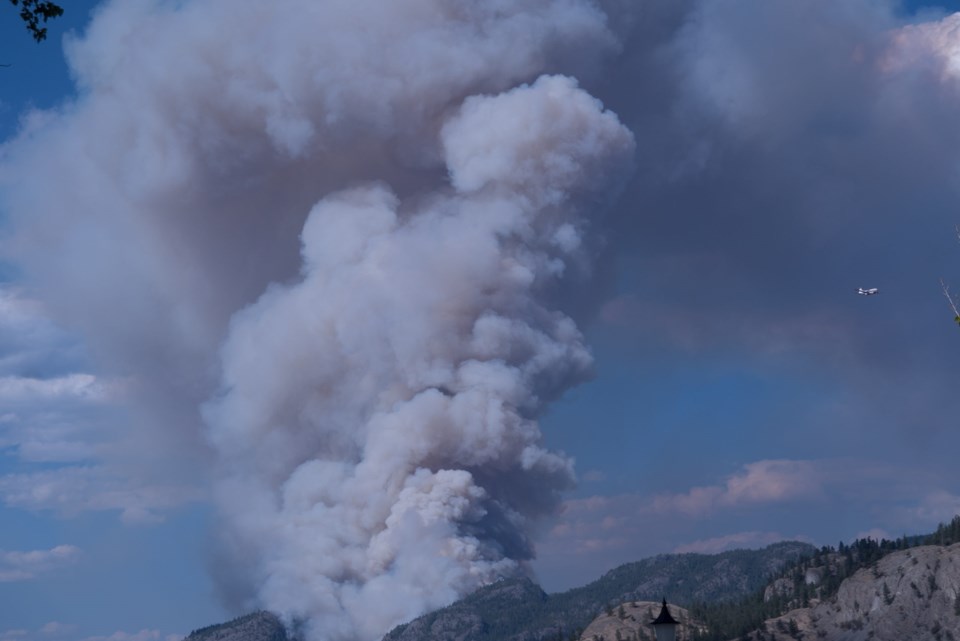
871, 590
504, 611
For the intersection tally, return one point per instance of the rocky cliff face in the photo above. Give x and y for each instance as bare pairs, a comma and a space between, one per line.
911, 594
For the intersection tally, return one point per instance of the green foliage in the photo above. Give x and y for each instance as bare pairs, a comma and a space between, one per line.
733, 619
945, 534
793, 629
35, 12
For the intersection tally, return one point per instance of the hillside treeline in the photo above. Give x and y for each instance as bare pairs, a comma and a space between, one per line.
814, 577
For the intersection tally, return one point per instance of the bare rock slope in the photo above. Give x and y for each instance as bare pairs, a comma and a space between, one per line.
631, 622
906, 595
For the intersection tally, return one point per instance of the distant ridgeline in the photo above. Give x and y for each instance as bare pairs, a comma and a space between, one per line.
730, 594
741, 594
517, 609
257, 626
810, 578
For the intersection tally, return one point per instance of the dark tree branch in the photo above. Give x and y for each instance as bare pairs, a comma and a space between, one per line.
37, 12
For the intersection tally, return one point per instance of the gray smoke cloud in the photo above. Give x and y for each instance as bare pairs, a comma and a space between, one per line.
322, 241
375, 425
332, 250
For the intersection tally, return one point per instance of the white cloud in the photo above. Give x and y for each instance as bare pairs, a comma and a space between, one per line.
72, 490
30, 341
598, 532
43, 446
22, 566
57, 631
593, 476
769, 481
81, 387
738, 540
932, 45
55, 413
936, 506
579, 530
55, 628
54, 421
143, 635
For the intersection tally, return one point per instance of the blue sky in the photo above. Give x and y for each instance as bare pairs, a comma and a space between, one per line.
177, 437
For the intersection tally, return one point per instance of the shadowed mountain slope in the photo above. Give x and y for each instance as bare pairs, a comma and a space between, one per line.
518, 610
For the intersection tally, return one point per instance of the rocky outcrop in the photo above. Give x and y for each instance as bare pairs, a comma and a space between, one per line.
631, 622
911, 594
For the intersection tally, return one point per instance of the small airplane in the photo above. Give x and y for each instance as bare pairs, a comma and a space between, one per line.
867, 292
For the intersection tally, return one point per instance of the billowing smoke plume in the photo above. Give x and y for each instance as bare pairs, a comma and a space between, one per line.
372, 416
326, 247
375, 427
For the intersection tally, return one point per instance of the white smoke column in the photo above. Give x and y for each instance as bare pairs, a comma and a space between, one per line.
372, 427
173, 190
375, 428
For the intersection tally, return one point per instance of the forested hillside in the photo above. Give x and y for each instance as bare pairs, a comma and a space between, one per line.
518, 609
788, 590
256, 626
809, 581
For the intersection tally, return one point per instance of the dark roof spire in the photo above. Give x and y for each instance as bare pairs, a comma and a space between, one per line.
664, 618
